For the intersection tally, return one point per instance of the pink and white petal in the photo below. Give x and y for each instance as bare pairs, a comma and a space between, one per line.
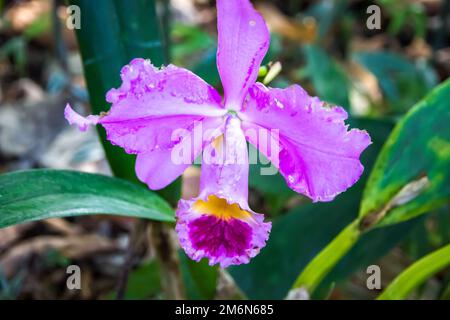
81, 122
166, 162
154, 112
152, 101
145, 135
225, 164
242, 44
318, 156
156, 169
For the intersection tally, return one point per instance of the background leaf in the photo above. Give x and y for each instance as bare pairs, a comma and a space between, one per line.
402, 82
328, 78
42, 194
144, 282
416, 274
199, 278
412, 172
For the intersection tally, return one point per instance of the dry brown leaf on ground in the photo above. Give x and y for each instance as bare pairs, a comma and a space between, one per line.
24, 13
72, 247
63, 226
11, 234
419, 49
368, 44
365, 91
287, 27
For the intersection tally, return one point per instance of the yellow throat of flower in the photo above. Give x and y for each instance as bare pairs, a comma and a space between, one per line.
220, 208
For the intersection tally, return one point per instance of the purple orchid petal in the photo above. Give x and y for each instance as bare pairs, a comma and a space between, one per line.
242, 45
162, 165
225, 164
317, 155
218, 224
81, 122
152, 102
148, 108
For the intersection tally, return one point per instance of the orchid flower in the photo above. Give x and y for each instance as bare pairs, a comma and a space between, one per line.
315, 152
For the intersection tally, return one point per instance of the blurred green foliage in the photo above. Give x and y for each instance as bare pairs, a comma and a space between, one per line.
402, 82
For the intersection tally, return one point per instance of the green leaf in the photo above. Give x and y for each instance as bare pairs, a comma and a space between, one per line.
15, 47
189, 41
39, 27
112, 33
405, 13
402, 82
328, 78
41, 194
412, 172
416, 274
206, 68
144, 282
311, 276
328, 13
199, 277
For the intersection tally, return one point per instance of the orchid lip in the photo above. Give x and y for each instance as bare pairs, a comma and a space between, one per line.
220, 208
215, 227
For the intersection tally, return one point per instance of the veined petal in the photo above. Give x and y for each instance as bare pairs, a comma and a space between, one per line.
219, 225
317, 155
152, 102
81, 122
225, 164
162, 165
242, 44
154, 112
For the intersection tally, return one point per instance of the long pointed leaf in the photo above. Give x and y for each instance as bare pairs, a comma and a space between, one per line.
416, 274
41, 194
412, 172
